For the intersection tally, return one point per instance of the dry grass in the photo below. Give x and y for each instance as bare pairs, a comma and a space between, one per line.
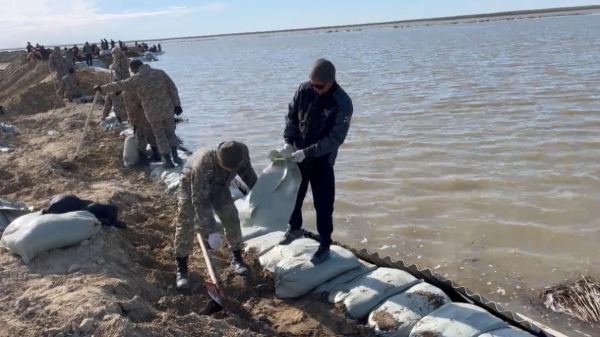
580, 299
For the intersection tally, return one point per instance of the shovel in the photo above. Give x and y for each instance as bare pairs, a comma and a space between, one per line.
87, 122
214, 291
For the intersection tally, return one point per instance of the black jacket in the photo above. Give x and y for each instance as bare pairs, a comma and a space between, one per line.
318, 124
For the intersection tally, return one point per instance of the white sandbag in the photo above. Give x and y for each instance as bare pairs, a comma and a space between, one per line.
264, 243
131, 156
282, 252
296, 276
20, 222
457, 319
397, 315
365, 292
510, 332
346, 277
50, 231
271, 201
249, 233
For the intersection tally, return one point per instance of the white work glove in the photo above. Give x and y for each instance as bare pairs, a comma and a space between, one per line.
298, 156
215, 241
287, 151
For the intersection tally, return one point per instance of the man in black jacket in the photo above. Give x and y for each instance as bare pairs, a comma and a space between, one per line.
316, 126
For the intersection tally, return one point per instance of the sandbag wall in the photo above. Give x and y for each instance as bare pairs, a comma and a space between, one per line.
394, 302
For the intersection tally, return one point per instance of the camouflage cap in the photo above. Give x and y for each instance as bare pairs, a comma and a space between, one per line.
231, 154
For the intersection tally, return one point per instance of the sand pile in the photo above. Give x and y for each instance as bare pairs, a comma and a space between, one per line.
37, 98
20, 75
88, 77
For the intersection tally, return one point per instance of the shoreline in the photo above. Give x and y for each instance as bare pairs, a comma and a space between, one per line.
460, 19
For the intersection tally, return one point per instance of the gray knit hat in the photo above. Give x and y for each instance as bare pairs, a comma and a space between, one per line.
323, 71
231, 154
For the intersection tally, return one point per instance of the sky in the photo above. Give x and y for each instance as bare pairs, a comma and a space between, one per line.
50, 22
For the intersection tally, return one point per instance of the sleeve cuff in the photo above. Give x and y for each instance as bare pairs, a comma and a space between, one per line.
310, 152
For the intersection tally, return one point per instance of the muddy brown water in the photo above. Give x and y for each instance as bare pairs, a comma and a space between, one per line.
473, 150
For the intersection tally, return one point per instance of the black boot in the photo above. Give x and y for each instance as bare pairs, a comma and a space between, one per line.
143, 160
237, 263
182, 273
167, 163
176, 158
320, 255
155, 154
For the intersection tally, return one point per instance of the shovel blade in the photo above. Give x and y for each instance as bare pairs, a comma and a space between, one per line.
215, 293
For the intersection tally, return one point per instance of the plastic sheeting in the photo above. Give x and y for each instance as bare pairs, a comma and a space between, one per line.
9, 211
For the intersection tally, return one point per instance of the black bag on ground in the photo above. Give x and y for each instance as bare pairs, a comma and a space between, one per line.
65, 203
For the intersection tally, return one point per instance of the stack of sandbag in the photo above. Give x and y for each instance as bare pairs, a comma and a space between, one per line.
270, 203
365, 292
264, 243
457, 319
35, 233
346, 277
111, 124
169, 177
397, 315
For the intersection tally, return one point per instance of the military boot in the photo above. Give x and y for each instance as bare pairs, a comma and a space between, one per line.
143, 159
176, 158
238, 265
167, 163
155, 154
182, 273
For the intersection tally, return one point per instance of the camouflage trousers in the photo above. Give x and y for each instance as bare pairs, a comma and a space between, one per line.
144, 136
164, 131
221, 203
58, 76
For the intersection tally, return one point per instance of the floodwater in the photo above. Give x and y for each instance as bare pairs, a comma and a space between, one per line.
474, 149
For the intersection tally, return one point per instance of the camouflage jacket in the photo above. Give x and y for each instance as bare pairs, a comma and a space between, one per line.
155, 89
135, 111
207, 175
57, 64
69, 86
117, 102
121, 68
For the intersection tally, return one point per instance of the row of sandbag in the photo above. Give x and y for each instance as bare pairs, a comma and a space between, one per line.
395, 302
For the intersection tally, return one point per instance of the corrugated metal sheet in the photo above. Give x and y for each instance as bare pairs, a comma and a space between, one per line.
455, 291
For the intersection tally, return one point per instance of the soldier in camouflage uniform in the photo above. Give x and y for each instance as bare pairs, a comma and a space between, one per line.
141, 127
204, 189
120, 65
160, 100
114, 100
57, 65
69, 86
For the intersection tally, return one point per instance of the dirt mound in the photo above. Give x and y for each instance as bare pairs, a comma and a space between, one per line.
20, 75
37, 98
9, 56
89, 77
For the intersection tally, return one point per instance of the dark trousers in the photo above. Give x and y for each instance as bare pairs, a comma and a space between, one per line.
88, 59
319, 173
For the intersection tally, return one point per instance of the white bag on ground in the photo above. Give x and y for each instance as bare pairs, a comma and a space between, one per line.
296, 276
271, 201
346, 277
50, 231
264, 243
279, 253
397, 315
457, 319
10, 211
20, 222
507, 333
131, 156
365, 292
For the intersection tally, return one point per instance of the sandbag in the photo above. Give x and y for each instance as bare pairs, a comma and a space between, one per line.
457, 319
271, 201
397, 315
365, 292
346, 277
510, 332
296, 276
279, 253
50, 231
131, 156
264, 243
249, 233
20, 222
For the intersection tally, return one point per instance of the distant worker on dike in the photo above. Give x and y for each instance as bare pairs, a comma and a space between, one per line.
204, 192
317, 123
89, 55
142, 130
160, 100
120, 64
69, 86
57, 65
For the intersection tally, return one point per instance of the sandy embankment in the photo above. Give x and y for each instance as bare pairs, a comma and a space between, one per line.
124, 278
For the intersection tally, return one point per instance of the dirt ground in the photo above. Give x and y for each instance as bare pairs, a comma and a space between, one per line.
122, 280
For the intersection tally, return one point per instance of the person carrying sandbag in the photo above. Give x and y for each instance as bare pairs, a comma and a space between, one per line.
204, 192
316, 126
